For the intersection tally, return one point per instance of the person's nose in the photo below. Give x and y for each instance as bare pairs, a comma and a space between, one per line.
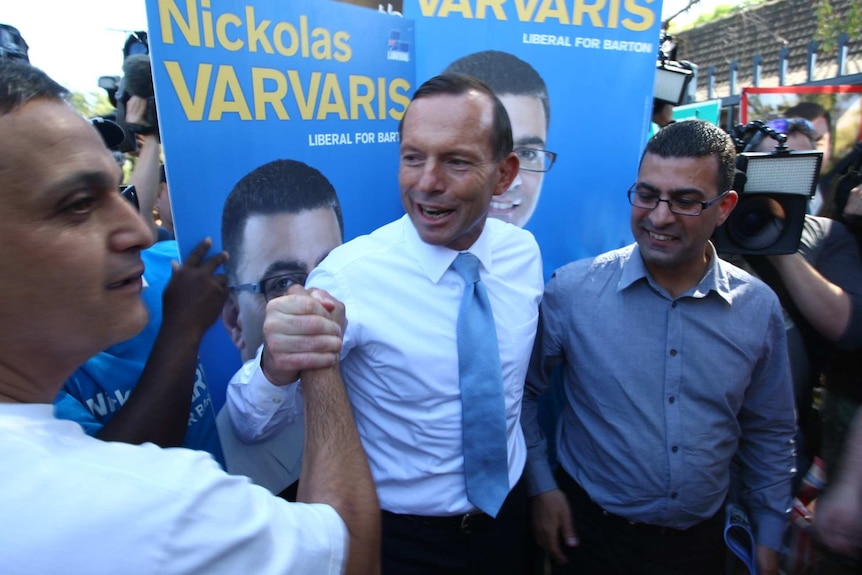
661, 214
131, 231
430, 178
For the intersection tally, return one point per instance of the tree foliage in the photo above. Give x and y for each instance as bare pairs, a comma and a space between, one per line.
832, 22
95, 103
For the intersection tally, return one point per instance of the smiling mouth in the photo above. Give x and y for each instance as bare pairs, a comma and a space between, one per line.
660, 237
499, 206
434, 214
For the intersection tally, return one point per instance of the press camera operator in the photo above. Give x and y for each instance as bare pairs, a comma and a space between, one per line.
820, 287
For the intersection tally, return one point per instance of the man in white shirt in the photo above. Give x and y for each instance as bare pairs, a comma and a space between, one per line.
400, 354
71, 285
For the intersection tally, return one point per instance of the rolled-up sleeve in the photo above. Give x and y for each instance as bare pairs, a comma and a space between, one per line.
258, 409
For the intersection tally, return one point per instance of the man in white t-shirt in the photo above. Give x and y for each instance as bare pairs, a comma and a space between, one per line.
71, 282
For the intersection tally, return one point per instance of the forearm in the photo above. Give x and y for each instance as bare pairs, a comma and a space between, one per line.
145, 178
824, 305
158, 408
334, 468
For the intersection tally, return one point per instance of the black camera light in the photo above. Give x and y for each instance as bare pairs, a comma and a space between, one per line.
773, 200
671, 82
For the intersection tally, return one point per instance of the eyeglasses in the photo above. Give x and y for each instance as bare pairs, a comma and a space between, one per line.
790, 125
535, 160
649, 200
273, 287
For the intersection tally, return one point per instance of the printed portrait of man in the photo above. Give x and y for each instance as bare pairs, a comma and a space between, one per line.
524, 94
279, 221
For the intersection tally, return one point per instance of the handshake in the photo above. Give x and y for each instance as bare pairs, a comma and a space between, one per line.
302, 331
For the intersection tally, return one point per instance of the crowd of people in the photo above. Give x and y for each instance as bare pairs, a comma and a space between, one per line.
387, 409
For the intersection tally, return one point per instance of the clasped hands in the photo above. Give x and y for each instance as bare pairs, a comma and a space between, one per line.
302, 331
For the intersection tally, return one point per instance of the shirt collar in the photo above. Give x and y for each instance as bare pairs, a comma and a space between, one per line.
715, 279
435, 260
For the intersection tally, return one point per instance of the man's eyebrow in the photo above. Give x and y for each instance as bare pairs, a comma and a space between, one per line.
674, 192
283, 267
529, 141
93, 179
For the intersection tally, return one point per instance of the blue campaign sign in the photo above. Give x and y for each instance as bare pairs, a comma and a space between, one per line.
597, 62
265, 96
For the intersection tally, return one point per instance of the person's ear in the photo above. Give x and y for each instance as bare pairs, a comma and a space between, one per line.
726, 205
230, 319
508, 171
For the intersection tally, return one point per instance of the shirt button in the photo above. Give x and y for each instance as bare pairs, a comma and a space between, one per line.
276, 400
673, 495
671, 399
673, 353
673, 304
674, 448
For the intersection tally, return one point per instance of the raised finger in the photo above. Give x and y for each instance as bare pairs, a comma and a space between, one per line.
196, 255
212, 263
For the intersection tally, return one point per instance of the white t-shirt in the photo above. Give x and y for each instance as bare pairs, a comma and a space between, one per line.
72, 504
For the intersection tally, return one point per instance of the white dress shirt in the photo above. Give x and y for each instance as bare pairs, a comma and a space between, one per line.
399, 360
73, 504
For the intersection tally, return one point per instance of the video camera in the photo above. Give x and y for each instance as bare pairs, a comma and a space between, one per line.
774, 189
137, 80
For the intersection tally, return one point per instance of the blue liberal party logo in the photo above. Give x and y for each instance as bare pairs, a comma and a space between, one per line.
398, 50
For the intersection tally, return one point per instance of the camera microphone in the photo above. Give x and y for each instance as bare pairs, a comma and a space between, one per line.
137, 81
138, 76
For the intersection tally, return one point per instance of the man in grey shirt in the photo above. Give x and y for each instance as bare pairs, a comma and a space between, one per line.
674, 362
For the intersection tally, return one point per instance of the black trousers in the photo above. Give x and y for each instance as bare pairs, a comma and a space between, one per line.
610, 544
475, 544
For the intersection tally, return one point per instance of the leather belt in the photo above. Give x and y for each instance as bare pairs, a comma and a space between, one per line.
467, 523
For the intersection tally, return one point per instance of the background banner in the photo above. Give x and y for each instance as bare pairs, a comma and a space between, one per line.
240, 85
710, 110
843, 104
597, 61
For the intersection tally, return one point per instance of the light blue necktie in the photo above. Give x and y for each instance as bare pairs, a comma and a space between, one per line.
483, 407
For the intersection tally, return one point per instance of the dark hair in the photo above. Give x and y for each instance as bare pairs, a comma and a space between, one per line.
163, 177
697, 139
20, 83
505, 74
459, 84
810, 111
280, 186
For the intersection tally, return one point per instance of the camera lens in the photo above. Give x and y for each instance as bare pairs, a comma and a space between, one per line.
756, 223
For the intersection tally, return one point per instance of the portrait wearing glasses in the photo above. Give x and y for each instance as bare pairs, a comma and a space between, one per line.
279, 221
525, 97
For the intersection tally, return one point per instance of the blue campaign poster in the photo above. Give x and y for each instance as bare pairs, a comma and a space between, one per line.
597, 61
240, 87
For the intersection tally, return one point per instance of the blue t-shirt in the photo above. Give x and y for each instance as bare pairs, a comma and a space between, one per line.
100, 387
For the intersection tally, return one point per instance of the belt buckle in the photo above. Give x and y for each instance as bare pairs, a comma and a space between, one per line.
465, 521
